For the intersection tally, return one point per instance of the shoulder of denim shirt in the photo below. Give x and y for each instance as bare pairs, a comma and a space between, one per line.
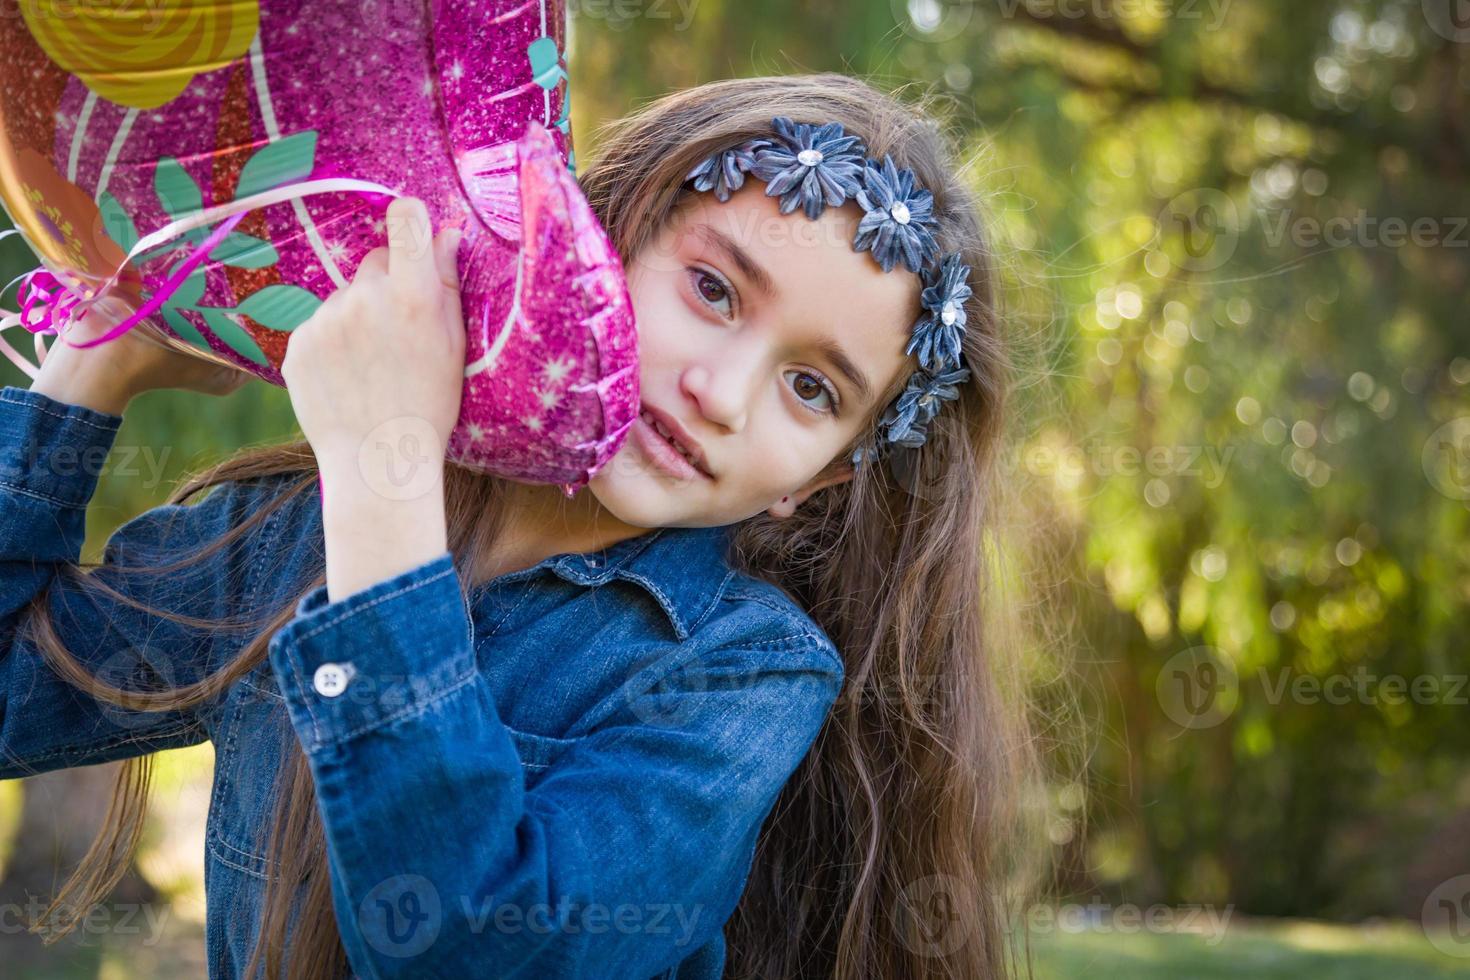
688, 573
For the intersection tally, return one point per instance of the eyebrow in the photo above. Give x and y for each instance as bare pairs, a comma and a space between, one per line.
752, 270
749, 267
838, 356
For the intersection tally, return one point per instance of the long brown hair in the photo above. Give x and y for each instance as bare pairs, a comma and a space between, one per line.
898, 848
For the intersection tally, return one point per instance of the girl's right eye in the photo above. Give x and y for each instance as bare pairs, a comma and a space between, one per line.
713, 291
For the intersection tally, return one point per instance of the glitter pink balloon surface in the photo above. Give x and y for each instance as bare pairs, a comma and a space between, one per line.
463, 104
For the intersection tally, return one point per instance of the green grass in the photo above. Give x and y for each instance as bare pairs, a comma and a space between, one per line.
1259, 949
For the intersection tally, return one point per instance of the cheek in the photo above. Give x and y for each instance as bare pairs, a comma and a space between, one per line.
659, 313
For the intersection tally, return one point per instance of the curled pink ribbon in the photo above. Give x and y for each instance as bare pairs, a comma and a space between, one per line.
49, 305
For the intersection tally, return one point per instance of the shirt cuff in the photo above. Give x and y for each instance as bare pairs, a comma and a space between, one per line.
51, 449
382, 653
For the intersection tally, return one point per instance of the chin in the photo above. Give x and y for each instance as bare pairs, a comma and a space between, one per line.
638, 496
629, 497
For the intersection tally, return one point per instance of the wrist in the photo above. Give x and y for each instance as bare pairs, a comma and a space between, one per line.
77, 383
370, 538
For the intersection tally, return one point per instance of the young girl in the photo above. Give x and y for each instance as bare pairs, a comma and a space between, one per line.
735, 709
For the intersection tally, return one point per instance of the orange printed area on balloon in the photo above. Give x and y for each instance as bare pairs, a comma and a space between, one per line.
61, 223
141, 55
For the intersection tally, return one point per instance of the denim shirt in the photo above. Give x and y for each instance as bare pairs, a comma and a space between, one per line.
560, 772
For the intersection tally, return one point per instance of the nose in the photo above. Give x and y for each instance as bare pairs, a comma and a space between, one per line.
723, 396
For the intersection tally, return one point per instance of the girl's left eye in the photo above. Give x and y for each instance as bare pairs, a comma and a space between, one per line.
713, 291
821, 386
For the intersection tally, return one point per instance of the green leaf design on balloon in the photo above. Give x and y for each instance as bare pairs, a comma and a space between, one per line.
288, 159
116, 222
245, 251
236, 337
180, 325
280, 307
176, 190
190, 291
179, 197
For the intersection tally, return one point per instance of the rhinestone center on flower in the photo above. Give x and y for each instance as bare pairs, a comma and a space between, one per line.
900, 213
809, 158
948, 313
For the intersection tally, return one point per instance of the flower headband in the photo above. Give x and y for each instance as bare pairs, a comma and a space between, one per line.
815, 166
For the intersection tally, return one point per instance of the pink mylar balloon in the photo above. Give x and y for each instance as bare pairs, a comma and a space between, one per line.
551, 380
225, 167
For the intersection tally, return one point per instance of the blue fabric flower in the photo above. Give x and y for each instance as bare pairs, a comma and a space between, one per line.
810, 166
863, 452
937, 333
900, 219
724, 171
905, 418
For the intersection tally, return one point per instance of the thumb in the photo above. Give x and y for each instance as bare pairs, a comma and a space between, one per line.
446, 258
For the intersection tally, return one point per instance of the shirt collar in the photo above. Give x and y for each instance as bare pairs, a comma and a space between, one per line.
684, 569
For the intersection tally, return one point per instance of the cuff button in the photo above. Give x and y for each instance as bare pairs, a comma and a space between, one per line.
331, 679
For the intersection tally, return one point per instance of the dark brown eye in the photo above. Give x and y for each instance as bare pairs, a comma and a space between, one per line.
711, 288
808, 386
713, 291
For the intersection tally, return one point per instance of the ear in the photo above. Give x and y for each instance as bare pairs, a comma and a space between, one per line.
786, 506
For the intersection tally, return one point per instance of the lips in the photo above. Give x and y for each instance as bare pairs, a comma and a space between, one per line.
675, 436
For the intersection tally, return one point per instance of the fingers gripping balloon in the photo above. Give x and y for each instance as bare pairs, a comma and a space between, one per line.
224, 167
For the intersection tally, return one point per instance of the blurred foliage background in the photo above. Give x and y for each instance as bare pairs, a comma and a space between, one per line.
1239, 271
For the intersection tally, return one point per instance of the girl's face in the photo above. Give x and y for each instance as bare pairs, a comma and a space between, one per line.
746, 321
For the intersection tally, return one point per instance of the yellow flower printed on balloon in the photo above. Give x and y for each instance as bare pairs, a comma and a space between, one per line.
141, 55
63, 225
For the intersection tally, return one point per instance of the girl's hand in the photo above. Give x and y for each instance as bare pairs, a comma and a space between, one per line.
375, 377
379, 368
107, 377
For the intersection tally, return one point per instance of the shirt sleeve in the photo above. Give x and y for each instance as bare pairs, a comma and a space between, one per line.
51, 456
629, 853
